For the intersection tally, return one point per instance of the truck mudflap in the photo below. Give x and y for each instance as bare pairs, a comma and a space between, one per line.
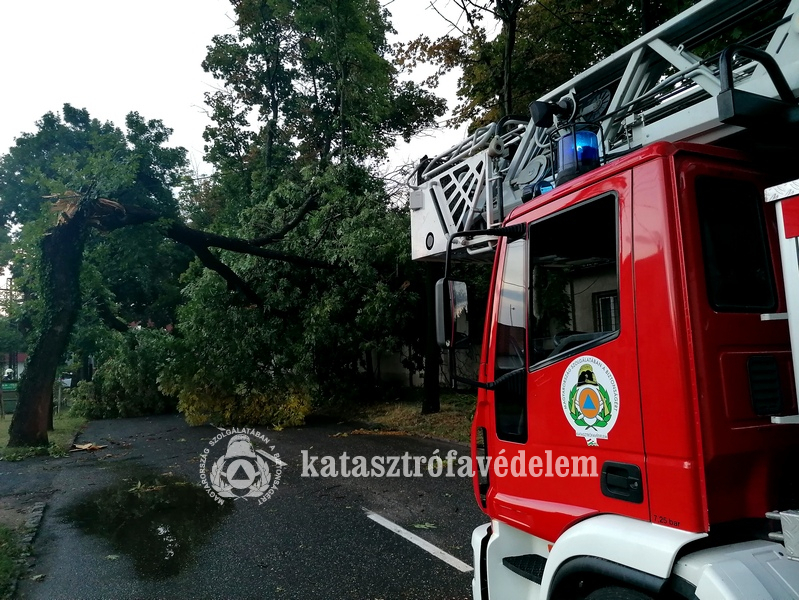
756, 570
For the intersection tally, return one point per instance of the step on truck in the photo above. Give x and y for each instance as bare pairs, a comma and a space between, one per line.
637, 389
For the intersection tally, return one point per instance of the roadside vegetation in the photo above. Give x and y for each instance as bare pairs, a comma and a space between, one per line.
66, 426
452, 422
10, 553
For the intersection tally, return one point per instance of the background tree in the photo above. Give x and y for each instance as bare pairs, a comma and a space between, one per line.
316, 78
540, 45
11, 339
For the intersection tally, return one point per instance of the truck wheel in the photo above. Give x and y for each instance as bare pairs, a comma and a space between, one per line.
617, 593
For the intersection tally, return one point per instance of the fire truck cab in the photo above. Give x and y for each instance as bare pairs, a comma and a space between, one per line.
637, 389
641, 314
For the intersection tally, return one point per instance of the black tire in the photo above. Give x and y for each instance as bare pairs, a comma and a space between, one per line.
617, 593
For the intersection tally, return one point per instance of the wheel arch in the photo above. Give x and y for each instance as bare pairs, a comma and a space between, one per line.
585, 574
614, 548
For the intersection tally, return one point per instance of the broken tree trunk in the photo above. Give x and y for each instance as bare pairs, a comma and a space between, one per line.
431, 402
61, 258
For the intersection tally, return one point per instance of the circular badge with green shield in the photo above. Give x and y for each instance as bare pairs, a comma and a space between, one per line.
590, 398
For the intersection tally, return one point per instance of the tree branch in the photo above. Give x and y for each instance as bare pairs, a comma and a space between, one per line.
234, 282
451, 23
182, 233
201, 242
194, 237
109, 318
486, 8
310, 204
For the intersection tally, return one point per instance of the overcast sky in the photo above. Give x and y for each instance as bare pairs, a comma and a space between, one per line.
112, 57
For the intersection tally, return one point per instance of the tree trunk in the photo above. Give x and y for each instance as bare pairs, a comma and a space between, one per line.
651, 15
62, 256
85, 368
371, 379
50, 424
431, 402
507, 63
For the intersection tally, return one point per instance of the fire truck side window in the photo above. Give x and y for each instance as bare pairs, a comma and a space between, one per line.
738, 270
574, 280
510, 402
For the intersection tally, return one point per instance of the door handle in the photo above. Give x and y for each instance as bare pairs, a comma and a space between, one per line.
622, 481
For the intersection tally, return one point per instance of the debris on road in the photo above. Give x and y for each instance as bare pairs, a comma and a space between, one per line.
90, 447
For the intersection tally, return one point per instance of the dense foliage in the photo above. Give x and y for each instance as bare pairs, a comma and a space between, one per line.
126, 384
313, 332
316, 78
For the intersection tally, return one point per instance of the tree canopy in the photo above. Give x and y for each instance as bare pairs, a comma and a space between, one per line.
316, 78
299, 265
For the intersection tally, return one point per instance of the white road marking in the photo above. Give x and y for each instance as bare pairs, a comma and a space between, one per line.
274, 459
423, 544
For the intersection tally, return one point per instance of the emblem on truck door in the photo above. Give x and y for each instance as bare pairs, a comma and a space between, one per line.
590, 398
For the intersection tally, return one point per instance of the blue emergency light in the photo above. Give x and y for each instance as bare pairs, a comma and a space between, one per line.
578, 153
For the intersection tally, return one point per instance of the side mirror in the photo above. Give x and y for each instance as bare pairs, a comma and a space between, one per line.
452, 318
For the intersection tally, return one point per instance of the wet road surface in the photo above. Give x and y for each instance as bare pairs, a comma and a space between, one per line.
132, 521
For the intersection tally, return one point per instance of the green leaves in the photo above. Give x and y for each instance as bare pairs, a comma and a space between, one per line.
72, 151
316, 325
318, 79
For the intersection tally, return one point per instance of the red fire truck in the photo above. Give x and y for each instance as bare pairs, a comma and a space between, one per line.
636, 382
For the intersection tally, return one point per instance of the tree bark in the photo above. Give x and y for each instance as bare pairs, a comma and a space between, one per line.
50, 424
109, 319
62, 257
510, 17
431, 402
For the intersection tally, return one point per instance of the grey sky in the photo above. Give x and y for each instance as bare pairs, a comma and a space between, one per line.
112, 57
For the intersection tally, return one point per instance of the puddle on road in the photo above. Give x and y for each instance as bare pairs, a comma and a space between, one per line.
158, 521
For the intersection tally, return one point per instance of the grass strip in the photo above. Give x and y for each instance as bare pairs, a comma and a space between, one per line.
10, 552
65, 428
453, 422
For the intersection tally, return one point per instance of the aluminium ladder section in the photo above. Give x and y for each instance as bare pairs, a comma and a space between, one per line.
658, 90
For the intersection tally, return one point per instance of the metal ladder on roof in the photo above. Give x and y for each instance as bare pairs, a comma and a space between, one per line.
658, 88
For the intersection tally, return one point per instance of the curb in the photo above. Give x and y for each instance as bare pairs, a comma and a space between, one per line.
32, 526
29, 531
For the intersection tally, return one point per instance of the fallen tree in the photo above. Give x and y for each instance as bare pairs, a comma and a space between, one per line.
61, 259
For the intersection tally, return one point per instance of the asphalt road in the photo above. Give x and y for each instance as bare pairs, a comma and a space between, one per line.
130, 521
